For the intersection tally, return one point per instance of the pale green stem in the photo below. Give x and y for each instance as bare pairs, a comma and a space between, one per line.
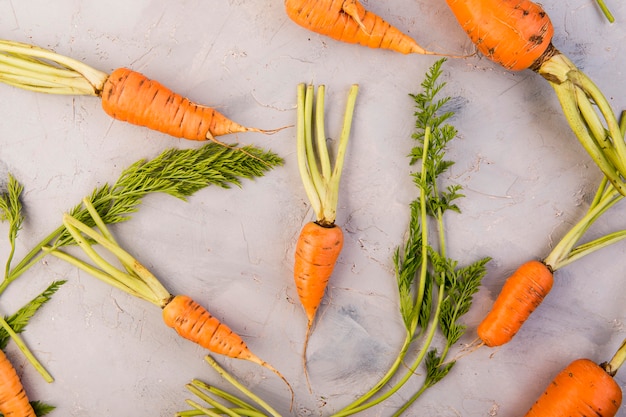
214, 403
341, 150
424, 224
222, 394
94, 77
320, 130
312, 163
606, 11
303, 125
558, 256
24, 349
204, 410
91, 270
240, 387
617, 360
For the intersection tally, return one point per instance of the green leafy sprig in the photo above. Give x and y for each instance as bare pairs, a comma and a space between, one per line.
176, 172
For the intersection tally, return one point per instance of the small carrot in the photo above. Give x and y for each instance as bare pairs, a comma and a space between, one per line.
518, 34
583, 388
190, 320
348, 21
13, 399
126, 95
320, 242
520, 295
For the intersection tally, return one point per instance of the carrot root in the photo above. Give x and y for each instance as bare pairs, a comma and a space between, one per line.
583, 388
520, 295
193, 322
130, 96
13, 399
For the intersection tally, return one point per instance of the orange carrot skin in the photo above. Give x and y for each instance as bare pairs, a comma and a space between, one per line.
326, 17
13, 399
317, 250
132, 97
513, 33
520, 295
195, 323
581, 389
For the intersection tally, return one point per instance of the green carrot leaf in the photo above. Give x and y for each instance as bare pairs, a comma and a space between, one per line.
20, 319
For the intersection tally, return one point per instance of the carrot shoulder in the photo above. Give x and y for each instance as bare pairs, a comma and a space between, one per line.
348, 21
583, 388
513, 33
522, 292
13, 399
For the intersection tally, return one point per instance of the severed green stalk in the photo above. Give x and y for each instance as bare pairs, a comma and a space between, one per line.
605, 10
566, 251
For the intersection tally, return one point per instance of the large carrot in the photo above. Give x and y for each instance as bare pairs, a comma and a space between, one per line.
583, 388
527, 287
13, 399
320, 242
190, 320
126, 95
518, 35
348, 21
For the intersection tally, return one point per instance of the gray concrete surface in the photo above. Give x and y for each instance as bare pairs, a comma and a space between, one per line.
526, 180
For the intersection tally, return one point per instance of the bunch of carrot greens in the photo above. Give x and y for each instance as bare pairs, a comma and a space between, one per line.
13, 398
434, 293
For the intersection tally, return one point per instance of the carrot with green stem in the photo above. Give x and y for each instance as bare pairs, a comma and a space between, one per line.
583, 388
517, 34
187, 317
320, 242
528, 286
126, 95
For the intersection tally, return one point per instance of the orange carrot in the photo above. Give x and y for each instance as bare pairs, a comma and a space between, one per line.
316, 254
126, 94
320, 241
348, 21
190, 320
193, 322
513, 33
517, 34
583, 388
132, 97
520, 295
13, 399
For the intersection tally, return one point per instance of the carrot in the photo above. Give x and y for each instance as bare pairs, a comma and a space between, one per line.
513, 33
348, 21
583, 388
13, 399
126, 94
518, 34
532, 281
316, 254
187, 317
521, 294
320, 242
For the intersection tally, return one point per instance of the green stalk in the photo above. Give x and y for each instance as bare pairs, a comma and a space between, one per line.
233, 381
320, 183
606, 11
37, 69
617, 360
24, 349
